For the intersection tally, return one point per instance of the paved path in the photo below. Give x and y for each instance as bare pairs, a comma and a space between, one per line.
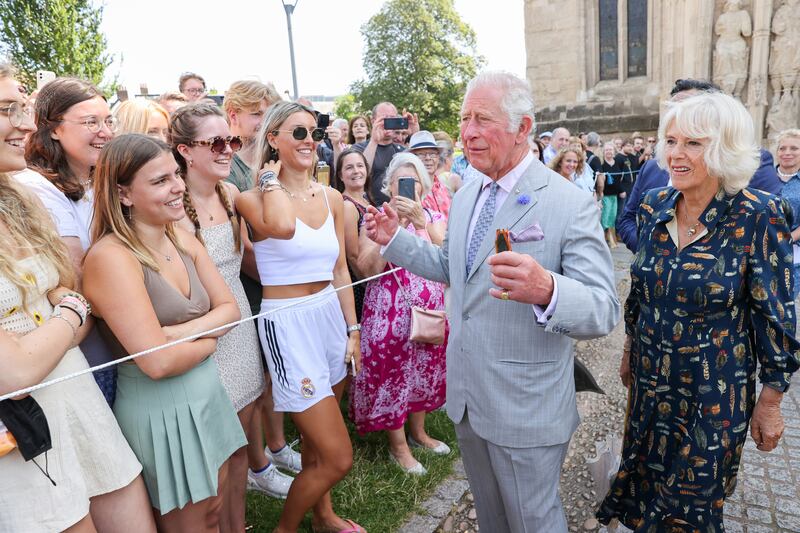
767, 498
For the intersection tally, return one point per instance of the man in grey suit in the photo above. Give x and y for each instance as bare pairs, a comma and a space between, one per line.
513, 317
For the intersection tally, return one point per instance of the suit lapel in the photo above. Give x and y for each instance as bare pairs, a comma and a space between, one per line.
512, 210
458, 226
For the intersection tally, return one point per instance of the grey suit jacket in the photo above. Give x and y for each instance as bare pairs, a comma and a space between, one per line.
515, 376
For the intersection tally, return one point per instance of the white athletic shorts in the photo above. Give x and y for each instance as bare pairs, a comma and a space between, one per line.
304, 346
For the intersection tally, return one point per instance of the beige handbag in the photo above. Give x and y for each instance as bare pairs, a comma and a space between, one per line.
427, 326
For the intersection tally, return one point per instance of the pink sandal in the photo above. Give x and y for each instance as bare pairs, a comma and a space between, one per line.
354, 528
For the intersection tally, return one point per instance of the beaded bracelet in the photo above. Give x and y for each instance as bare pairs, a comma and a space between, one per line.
80, 297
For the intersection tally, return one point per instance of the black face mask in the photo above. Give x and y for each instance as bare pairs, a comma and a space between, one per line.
27, 422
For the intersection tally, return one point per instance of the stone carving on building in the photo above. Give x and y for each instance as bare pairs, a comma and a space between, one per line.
784, 69
783, 115
731, 52
784, 60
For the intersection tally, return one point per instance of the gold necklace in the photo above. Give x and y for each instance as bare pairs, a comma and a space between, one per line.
299, 195
198, 204
693, 228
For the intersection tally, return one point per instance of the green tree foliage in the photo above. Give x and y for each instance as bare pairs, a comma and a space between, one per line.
59, 35
346, 107
419, 55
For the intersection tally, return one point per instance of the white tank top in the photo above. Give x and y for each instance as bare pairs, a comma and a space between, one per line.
308, 256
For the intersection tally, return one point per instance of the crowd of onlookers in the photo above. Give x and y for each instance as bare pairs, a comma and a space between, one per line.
126, 228
123, 229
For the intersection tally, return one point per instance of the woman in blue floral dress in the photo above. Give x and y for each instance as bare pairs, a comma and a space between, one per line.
711, 294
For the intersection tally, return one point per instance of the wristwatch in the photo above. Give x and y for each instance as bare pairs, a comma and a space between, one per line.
354, 327
268, 180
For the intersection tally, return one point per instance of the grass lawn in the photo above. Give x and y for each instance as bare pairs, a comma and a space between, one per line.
376, 493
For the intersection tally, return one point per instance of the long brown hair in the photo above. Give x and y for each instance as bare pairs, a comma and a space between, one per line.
28, 225
119, 161
338, 175
44, 154
183, 130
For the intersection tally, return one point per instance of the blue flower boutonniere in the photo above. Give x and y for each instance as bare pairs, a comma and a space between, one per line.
523, 199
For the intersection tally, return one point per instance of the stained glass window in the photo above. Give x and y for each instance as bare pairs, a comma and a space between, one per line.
609, 51
637, 38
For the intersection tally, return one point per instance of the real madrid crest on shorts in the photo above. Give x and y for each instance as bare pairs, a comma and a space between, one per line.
307, 388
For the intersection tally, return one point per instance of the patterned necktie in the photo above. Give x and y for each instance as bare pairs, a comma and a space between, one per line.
485, 218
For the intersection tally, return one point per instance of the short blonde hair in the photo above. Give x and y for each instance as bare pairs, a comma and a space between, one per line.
732, 155
791, 133
133, 116
170, 96
247, 94
407, 159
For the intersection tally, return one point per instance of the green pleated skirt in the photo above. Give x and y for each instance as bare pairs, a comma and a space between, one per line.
182, 429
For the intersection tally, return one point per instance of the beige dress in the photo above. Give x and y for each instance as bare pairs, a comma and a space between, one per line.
89, 456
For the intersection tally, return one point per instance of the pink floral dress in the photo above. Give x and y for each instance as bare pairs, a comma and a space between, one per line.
438, 199
398, 376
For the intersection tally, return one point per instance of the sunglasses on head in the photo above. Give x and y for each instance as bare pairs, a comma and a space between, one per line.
218, 144
301, 132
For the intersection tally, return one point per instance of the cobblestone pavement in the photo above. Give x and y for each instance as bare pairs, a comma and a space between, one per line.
766, 499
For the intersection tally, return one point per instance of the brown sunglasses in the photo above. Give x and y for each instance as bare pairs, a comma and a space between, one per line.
218, 144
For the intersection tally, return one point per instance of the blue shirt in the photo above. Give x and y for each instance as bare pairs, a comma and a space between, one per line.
791, 193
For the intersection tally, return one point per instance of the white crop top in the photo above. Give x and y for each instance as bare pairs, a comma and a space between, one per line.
308, 256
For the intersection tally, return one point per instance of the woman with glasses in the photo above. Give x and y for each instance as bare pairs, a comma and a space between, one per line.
402, 379
95, 476
203, 147
143, 116
171, 405
423, 145
73, 123
298, 242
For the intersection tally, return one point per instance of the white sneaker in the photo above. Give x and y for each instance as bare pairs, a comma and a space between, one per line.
286, 459
271, 482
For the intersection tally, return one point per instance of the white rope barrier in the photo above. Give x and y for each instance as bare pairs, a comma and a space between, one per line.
170, 344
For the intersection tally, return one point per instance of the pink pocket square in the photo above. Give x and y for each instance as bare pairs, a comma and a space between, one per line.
529, 234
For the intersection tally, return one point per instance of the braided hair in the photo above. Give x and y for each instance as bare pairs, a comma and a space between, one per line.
183, 130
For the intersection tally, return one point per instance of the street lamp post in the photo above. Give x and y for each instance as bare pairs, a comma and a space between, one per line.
288, 6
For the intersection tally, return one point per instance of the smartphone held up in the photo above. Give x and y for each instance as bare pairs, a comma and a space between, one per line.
406, 187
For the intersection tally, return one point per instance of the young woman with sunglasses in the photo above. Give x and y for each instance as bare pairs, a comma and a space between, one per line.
171, 405
300, 252
96, 481
74, 123
246, 104
203, 148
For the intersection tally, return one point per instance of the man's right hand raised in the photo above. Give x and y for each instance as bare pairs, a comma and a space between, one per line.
381, 227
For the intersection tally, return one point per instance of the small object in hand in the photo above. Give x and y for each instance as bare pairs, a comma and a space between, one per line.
502, 241
353, 365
